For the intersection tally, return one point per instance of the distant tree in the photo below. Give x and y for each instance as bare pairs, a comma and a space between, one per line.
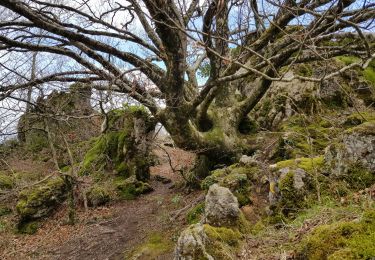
152, 51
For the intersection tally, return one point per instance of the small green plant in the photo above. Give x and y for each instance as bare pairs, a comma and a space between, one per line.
176, 199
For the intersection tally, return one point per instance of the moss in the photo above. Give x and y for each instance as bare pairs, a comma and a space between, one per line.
130, 188
5, 211
305, 70
195, 214
234, 178
222, 242
213, 178
28, 227
292, 199
116, 149
354, 240
228, 236
347, 60
98, 196
358, 177
307, 164
41, 200
356, 119
304, 137
248, 126
367, 128
6, 182
369, 75
155, 246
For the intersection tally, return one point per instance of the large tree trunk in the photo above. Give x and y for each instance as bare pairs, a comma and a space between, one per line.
217, 133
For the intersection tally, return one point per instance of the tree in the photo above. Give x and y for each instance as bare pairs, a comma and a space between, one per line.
167, 42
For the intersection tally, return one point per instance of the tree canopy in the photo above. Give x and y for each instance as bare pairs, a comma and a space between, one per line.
183, 60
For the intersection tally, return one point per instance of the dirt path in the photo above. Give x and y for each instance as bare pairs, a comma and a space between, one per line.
131, 223
109, 232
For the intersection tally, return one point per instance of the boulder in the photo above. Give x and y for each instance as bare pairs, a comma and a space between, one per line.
40, 201
353, 157
222, 208
125, 146
219, 234
98, 196
191, 244
291, 183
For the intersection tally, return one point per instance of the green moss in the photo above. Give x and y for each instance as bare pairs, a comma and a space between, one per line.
130, 188
369, 75
228, 236
28, 228
222, 242
367, 128
41, 200
114, 151
305, 70
248, 126
307, 164
292, 199
6, 182
4, 211
98, 195
214, 135
356, 119
354, 240
155, 246
347, 60
304, 137
234, 178
195, 214
358, 177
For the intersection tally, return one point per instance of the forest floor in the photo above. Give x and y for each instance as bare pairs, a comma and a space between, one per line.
123, 230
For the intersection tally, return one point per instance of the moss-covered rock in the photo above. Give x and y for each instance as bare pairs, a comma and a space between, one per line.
40, 201
305, 136
131, 187
33, 125
293, 184
237, 178
352, 158
219, 234
98, 196
342, 240
124, 148
222, 242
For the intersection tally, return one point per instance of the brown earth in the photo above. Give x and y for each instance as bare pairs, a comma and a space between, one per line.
110, 232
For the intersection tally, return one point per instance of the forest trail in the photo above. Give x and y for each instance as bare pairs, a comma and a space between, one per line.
114, 231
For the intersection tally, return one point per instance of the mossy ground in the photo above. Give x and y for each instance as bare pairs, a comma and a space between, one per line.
342, 240
156, 245
315, 232
305, 136
6, 181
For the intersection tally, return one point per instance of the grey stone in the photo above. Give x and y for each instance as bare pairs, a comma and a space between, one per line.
222, 208
191, 244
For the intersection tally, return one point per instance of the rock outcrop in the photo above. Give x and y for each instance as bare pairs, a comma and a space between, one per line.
65, 115
353, 157
125, 147
39, 201
222, 208
219, 233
